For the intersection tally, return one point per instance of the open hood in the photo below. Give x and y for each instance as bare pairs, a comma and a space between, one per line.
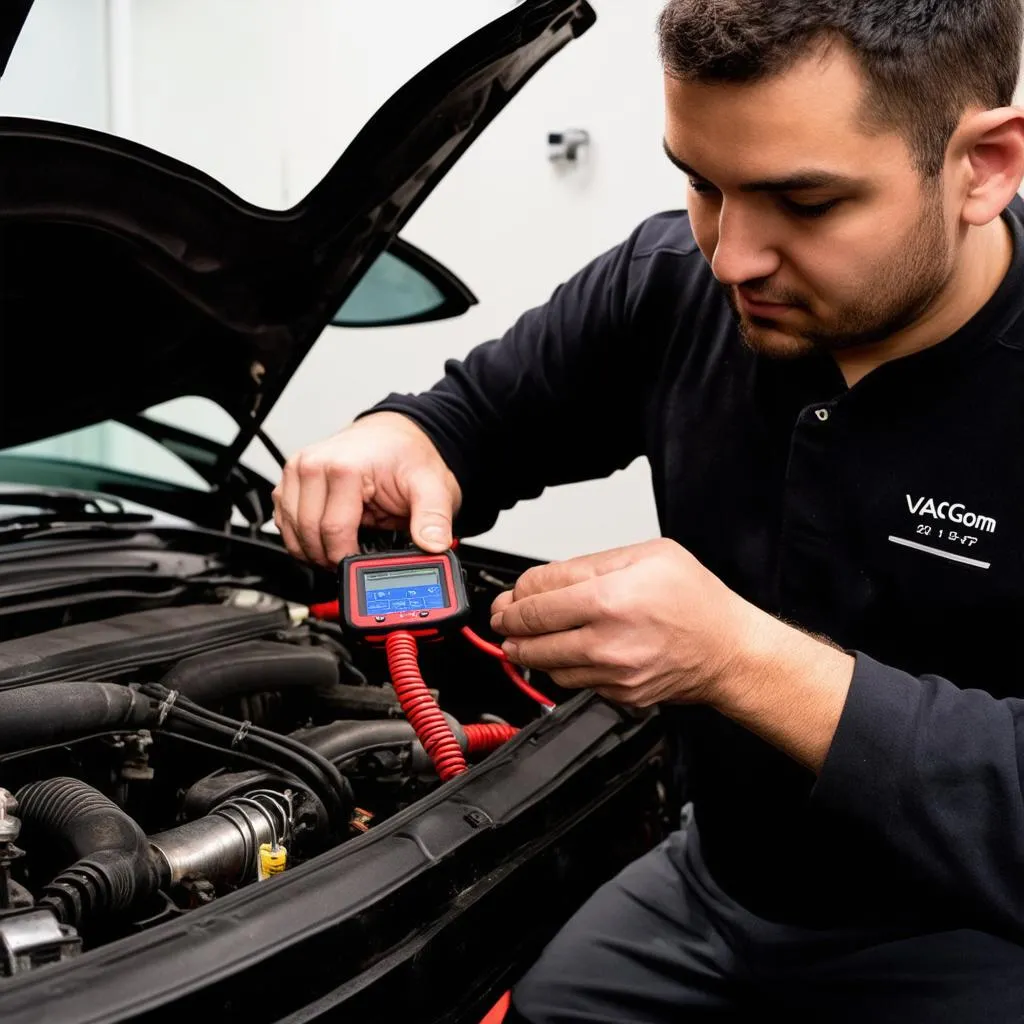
128, 278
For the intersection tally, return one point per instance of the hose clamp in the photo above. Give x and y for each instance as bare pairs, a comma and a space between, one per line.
243, 731
165, 707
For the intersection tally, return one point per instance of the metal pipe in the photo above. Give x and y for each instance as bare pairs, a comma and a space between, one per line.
224, 845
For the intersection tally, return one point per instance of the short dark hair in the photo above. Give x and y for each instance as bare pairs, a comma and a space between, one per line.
925, 61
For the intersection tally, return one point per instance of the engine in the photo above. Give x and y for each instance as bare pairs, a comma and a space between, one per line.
158, 760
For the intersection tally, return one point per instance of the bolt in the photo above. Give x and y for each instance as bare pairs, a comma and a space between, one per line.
10, 827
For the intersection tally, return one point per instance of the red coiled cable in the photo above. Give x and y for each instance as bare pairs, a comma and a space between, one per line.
421, 709
485, 737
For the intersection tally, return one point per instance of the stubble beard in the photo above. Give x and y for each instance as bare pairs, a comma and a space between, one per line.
897, 298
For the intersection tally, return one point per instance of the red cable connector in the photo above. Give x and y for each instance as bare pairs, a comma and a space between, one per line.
329, 611
421, 709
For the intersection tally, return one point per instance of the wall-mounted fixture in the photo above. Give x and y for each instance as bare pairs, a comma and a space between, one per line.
567, 144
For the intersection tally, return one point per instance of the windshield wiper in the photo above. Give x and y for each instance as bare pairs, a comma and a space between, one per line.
62, 500
27, 529
60, 510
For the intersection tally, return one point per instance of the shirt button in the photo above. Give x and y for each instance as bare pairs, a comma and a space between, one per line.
822, 414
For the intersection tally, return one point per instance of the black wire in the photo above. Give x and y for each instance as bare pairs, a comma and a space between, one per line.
327, 794
239, 755
29, 751
301, 750
229, 732
232, 754
335, 802
183, 716
332, 788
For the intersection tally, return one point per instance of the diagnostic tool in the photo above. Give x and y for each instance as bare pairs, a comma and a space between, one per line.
408, 590
394, 598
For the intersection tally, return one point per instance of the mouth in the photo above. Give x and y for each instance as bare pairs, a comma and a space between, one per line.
759, 308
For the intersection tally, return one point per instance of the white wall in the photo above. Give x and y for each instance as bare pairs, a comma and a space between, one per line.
58, 70
265, 96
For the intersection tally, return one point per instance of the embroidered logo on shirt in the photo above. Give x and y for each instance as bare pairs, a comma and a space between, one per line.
951, 511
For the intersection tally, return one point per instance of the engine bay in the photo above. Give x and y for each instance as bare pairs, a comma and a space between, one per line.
156, 760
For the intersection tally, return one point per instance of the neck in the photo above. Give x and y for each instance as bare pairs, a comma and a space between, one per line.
983, 262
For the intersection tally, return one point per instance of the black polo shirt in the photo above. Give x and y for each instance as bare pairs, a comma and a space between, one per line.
888, 517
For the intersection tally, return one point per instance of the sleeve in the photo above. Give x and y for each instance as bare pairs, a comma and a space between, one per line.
560, 398
936, 774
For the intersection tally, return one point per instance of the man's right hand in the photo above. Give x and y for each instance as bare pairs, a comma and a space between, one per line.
381, 471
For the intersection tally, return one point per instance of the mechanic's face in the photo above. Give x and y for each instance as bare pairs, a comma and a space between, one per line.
793, 203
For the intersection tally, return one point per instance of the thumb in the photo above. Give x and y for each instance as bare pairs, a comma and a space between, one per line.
430, 512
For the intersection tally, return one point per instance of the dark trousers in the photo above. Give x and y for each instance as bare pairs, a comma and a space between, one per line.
661, 942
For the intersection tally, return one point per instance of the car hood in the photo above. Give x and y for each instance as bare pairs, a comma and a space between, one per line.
128, 278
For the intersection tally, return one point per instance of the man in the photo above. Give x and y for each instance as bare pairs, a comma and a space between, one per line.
824, 363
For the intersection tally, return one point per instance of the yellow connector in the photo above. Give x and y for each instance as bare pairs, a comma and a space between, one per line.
273, 860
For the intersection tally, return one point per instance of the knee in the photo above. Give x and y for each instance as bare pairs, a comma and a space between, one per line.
552, 988
537, 997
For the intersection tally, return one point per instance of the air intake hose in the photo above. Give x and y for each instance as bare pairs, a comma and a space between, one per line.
113, 867
35, 716
259, 666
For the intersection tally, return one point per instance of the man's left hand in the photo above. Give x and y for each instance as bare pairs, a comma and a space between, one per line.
649, 624
642, 625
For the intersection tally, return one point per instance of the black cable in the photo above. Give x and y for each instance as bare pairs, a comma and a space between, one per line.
305, 753
337, 803
229, 732
239, 755
30, 751
332, 788
230, 753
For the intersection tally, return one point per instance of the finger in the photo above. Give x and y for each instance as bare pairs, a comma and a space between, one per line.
555, 651
431, 513
291, 540
312, 499
550, 612
500, 603
343, 511
381, 520
556, 575
286, 510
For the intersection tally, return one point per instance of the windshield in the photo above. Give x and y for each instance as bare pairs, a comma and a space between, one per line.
68, 459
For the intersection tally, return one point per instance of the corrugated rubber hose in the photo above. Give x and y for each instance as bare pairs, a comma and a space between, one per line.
421, 709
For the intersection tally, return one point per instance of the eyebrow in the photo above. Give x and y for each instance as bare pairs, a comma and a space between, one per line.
792, 183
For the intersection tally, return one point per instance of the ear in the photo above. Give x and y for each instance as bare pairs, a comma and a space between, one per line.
988, 148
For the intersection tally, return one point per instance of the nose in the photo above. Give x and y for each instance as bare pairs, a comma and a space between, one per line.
743, 252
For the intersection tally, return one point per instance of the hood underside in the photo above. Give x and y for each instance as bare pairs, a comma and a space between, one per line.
128, 278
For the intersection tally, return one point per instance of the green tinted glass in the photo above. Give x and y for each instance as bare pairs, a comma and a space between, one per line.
392, 291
